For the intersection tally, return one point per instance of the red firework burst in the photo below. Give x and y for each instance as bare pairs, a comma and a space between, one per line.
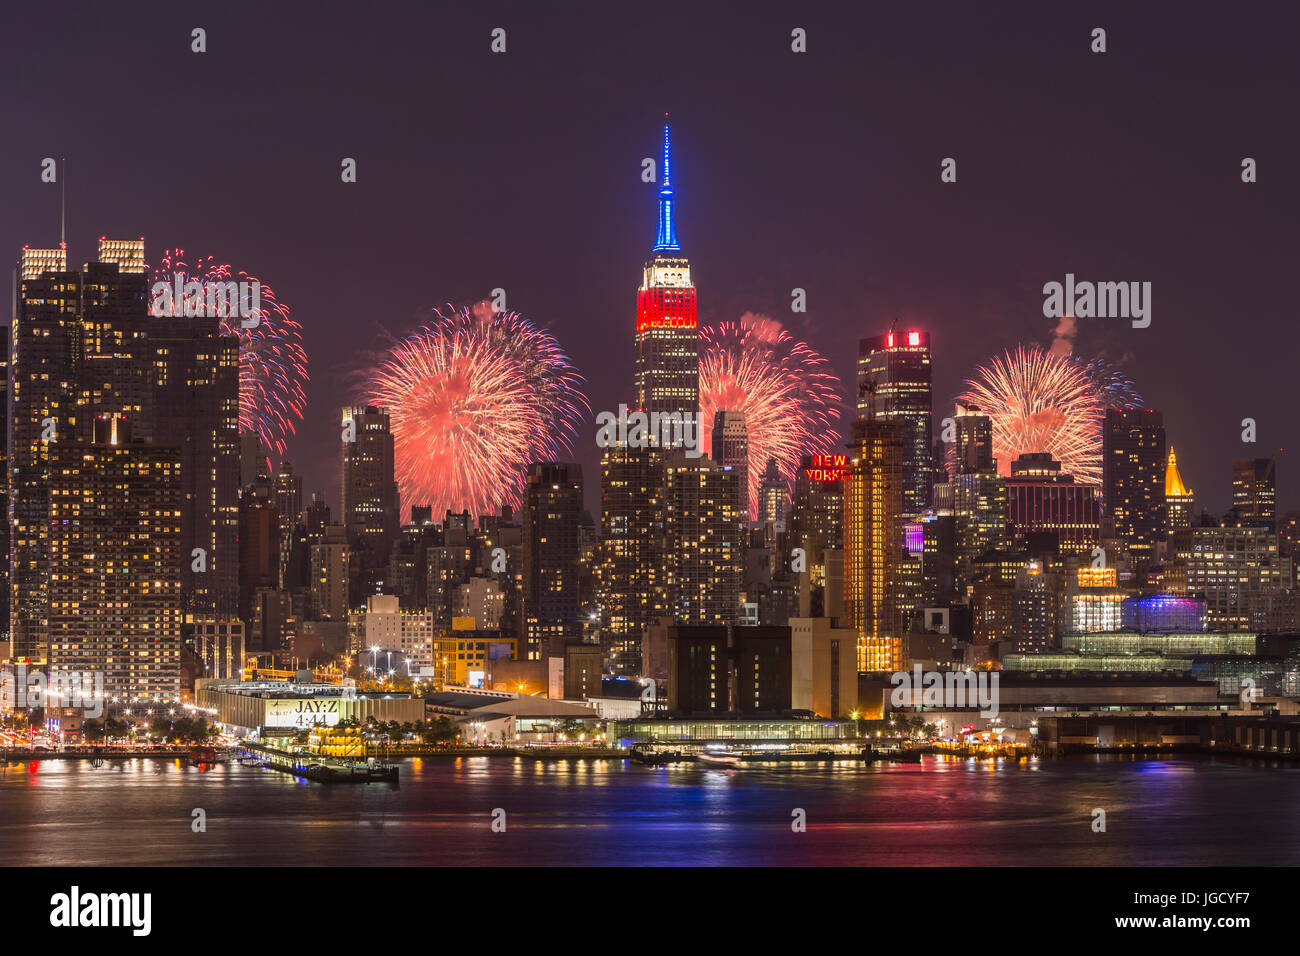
1040, 402
272, 360
473, 397
787, 391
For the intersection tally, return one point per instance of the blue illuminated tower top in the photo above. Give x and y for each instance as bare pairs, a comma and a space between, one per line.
666, 241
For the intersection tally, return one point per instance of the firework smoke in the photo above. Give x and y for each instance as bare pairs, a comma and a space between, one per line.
1041, 401
787, 391
272, 360
472, 397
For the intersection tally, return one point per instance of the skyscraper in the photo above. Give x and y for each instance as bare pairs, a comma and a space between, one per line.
896, 366
1180, 503
286, 491
196, 407
79, 350
704, 541
115, 563
731, 450
370, 502
773, 497
630, 569
973, 441
667, 339
1254, 492
1133, 477
873, 542
552, 509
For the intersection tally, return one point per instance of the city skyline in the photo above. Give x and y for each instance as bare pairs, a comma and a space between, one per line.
748, 206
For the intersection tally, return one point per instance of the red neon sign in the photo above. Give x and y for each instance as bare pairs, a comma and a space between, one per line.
828, 468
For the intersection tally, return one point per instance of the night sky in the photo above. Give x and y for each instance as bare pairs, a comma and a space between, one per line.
817, 170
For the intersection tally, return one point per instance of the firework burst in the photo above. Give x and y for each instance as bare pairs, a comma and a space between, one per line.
272, 360
787, 391
472, 396
1041, 402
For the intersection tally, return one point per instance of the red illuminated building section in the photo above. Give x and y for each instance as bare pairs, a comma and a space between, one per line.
665, 309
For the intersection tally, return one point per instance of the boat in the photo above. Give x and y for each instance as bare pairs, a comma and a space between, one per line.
721, 759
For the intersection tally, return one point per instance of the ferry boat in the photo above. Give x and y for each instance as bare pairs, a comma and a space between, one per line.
722, 759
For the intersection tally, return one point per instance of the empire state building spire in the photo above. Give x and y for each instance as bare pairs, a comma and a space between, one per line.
666, 240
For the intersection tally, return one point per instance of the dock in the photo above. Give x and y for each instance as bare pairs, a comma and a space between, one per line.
315, 768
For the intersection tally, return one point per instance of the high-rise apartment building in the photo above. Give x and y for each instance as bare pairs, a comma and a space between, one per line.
371, 507
873, 542
115, 562
552, 509
195, 370
1133, 477
704, 540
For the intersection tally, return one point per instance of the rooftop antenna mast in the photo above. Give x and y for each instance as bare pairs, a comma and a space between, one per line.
63, 205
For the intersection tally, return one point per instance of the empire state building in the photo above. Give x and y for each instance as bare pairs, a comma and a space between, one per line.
667, 338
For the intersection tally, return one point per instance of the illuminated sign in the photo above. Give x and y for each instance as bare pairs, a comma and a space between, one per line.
301, 712
828, 468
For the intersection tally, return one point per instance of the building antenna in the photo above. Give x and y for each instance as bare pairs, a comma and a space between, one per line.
63, 205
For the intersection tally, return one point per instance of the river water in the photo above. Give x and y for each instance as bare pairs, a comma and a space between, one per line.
1167, 811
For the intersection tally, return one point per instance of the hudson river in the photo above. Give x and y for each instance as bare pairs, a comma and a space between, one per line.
1175, 811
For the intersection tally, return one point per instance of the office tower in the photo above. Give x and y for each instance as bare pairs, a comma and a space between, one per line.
980, 521
773, 497
1133, 471
254, 466
731, 450
896, 367
196, 406
259, 548
552, 509
1042, 500
115, 562
421, 515
370, 501
1254, 492
873, 542
704, 546
1180, 503
667, 339
972, 442
79, 343
286, 492
330, 558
